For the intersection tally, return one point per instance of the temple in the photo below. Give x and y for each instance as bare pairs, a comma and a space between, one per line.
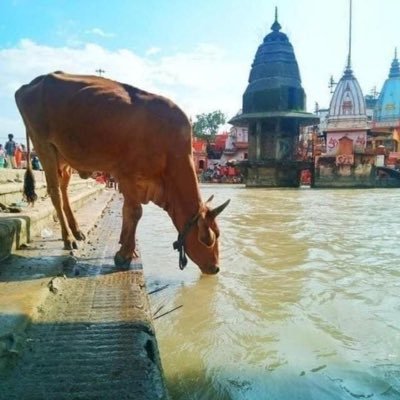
344, 160
358, 142
274, 110
385, 126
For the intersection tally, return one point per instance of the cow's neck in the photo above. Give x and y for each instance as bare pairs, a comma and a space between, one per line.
183, 212
184, 199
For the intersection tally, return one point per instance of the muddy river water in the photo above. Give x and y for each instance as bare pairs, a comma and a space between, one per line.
306, 306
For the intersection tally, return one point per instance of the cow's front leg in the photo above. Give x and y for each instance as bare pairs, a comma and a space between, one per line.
131, 213
56, 198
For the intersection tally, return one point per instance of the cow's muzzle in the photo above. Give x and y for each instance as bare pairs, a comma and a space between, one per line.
211, 270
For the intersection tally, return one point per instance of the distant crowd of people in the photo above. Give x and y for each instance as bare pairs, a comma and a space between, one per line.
218, 173
105, 178
14, 155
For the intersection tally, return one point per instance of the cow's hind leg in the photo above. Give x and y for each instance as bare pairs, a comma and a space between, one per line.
48, 157
131, 213
73, 224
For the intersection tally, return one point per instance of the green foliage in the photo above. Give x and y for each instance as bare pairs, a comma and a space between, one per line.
206, 125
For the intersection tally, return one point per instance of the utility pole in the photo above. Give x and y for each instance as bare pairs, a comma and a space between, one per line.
331, 84
100, 71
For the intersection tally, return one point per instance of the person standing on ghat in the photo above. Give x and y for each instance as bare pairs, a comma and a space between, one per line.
2, 156
10, 148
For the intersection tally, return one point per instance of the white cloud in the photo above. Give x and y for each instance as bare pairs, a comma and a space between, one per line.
99, 32
202, 80
152, 51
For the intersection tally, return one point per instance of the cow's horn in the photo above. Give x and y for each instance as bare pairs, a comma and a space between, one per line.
218, 210
210, 199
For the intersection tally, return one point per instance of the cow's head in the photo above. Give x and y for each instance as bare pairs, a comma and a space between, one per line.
200, 239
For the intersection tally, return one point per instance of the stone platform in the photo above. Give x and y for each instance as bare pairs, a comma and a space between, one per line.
72, 326
17, 229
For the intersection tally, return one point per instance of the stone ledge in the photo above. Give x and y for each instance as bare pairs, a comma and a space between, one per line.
12, 192
18, 229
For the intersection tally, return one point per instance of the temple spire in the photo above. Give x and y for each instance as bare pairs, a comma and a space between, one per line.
276, 25
348, 72
348, 67
395, 67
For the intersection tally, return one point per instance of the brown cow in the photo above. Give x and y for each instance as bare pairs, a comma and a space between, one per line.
144, 140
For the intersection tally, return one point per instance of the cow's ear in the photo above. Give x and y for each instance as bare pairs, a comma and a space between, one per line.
206, 235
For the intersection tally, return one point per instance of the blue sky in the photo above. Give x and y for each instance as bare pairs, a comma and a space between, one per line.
198, 53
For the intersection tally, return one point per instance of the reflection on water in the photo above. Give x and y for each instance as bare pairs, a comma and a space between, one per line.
306, 306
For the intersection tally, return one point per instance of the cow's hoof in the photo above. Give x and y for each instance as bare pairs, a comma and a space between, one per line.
70, 245
135, 254
122, 262
79, 235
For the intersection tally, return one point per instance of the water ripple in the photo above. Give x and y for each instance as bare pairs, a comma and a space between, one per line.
309, 279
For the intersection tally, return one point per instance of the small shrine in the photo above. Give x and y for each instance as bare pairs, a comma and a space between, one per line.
274, 111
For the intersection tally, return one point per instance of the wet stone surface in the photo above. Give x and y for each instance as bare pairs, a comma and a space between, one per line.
92, 338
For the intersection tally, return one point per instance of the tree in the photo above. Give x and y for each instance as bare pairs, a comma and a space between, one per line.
206, 125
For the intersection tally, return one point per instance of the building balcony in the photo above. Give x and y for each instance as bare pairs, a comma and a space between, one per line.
242, 145
229, 151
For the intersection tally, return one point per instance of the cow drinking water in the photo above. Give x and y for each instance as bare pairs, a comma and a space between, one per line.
88, 123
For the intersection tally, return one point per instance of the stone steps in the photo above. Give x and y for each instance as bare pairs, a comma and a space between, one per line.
93, 338
18, 228
12, 182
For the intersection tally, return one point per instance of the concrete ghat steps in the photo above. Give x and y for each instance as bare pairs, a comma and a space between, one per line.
11, 185
18, 229
93, 337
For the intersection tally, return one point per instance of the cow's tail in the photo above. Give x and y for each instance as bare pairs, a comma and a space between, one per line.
29, 180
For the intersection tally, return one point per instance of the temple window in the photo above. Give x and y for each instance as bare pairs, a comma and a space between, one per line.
347, 107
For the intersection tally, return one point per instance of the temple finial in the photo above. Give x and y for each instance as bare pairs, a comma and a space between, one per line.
276, 26
349, 56
395, 67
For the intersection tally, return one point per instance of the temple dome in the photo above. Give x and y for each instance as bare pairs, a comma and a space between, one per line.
387, 108
347, 107
274, 81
